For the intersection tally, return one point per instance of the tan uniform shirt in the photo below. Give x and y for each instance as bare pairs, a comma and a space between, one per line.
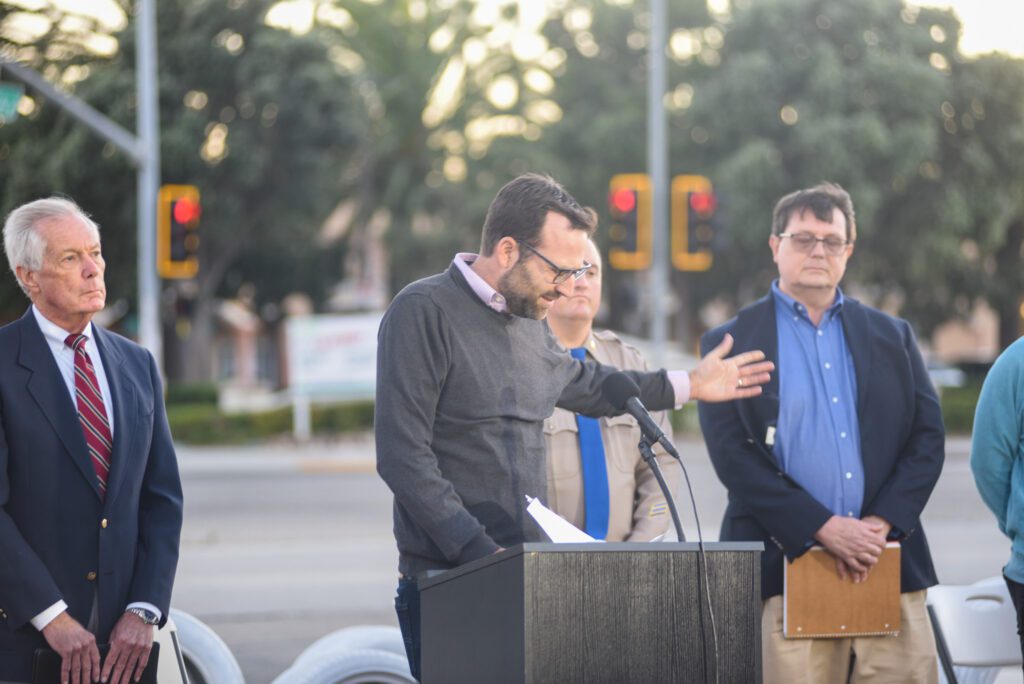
637, 509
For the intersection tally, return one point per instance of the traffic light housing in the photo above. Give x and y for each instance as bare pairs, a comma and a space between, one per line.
693, 223
177, 222
629, 205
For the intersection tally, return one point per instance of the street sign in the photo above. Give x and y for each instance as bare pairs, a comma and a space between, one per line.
10, 96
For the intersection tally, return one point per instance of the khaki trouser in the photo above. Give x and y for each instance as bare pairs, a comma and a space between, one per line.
909, 657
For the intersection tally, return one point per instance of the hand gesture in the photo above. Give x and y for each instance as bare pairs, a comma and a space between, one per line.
717, 378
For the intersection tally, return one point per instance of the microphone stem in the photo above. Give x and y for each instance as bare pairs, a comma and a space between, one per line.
648, 455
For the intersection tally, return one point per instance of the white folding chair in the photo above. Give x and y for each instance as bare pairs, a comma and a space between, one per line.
976, 627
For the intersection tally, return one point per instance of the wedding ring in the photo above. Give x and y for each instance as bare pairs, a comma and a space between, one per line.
739, 382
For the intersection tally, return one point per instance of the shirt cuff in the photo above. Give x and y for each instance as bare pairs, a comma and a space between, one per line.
148, 606
680, 385
47, 616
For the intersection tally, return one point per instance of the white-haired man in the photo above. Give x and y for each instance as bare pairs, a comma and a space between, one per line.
90, 496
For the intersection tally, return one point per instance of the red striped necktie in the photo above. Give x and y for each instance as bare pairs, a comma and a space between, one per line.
92, 414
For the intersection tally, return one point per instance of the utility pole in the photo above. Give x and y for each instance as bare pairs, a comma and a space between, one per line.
148, 129
657, 168
142, 149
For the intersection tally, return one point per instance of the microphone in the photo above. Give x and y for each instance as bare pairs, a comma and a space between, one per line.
619, 390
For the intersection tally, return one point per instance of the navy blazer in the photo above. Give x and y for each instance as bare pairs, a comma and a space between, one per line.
902, 443
58, 539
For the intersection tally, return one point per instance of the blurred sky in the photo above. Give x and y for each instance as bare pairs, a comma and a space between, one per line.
989, 25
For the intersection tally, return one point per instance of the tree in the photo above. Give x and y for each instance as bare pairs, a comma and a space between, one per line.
810, 91
984, 169
255, 116
444, 85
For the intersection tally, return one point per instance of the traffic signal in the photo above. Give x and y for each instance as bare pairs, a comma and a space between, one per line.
693, 227
177, 228
700, 229
629, 204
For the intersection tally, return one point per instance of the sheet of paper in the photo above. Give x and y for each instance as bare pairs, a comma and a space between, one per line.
559, 529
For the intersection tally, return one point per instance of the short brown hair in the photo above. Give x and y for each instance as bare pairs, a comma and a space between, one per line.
821, 200
521, 207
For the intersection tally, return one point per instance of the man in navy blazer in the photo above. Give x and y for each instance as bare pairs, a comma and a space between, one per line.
86, 557
842, 449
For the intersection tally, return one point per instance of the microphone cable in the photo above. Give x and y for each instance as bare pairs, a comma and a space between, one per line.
703, 563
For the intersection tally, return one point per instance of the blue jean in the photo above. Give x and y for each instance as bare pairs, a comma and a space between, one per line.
407, 606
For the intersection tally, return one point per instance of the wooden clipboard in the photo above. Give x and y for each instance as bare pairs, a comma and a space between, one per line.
818, 605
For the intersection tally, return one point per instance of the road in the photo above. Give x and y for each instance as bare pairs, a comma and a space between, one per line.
283, 543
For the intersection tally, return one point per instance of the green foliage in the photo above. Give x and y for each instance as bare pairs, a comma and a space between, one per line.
958, 405
204, 393
685, 422
339, 418
203, 423
779, 95
257, 117
810, 91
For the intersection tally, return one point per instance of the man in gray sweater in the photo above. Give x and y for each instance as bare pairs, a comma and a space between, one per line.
467, 371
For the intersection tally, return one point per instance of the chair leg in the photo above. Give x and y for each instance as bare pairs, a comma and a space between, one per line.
945, 661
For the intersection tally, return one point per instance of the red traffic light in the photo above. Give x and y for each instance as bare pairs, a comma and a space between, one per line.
703, 203
622, 200
186, 211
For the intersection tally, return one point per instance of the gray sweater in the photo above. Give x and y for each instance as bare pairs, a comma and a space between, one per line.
462, 393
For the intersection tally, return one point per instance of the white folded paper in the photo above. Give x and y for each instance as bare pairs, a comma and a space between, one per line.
560, 530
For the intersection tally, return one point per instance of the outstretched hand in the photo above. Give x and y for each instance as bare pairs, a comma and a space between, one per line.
717, 378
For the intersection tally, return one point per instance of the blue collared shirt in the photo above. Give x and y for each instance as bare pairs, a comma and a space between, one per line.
817, 438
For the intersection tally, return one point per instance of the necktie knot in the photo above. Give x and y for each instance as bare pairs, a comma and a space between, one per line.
76, 342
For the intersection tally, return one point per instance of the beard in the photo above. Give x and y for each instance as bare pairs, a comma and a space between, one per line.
520, 294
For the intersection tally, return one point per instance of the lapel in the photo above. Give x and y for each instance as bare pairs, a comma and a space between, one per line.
858, 341
47, 389
755, 328
123, 407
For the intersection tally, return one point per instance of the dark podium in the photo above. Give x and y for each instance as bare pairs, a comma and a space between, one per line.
622, 612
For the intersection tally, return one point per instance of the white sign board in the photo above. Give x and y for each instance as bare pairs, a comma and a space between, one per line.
333, 356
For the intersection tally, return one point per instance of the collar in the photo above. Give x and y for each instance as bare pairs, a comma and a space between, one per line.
487, 294
54, 334
788, 303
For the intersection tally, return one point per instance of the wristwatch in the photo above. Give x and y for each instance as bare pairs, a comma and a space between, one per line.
147, 616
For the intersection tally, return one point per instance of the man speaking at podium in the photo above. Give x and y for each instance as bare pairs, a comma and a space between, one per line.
467, 371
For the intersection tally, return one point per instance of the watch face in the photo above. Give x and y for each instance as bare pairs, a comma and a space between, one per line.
147, 616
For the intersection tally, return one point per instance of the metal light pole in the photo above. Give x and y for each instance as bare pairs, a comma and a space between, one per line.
657, 168
148, 130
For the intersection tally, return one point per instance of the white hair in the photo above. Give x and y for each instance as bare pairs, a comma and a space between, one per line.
24, 246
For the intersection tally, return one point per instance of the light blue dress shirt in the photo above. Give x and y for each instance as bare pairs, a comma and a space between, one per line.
817, 438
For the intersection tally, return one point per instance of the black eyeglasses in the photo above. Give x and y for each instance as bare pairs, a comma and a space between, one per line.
805, 242
561, 274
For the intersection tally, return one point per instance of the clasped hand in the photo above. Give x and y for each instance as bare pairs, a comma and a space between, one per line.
130, 644
856, 544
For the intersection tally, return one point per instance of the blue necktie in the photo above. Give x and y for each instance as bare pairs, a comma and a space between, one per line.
595, 470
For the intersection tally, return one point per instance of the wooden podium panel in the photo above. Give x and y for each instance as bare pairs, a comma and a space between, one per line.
820, 605
618, 612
